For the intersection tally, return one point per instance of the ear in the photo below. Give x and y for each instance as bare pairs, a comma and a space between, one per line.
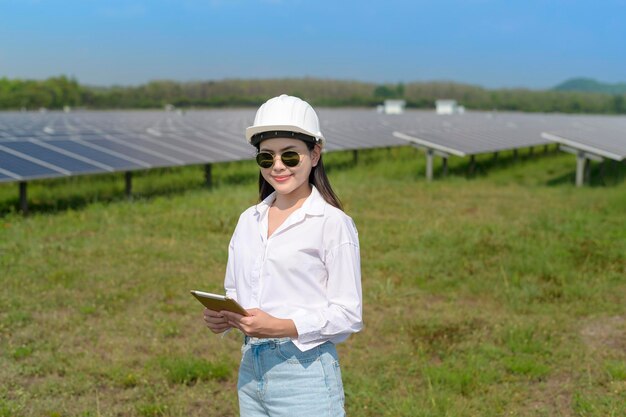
315, 155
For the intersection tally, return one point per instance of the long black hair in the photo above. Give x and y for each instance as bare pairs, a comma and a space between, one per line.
317, 177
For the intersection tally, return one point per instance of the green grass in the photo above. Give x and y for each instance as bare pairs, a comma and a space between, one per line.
186, 370
499, 294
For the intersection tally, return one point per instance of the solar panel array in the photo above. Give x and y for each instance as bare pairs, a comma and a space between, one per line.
56, 144
604, 136
480, 132
353, 129
53, 144
34, 146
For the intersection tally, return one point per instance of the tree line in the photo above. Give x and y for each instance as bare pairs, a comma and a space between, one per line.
58, 92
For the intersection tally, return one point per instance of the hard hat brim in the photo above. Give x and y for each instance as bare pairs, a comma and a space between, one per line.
253, 130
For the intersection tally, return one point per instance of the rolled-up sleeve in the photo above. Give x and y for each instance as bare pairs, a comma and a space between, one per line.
343, 315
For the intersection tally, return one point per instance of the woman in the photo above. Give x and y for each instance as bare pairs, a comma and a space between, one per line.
294, 264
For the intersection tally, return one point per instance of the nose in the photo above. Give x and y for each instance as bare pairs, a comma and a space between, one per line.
278, 163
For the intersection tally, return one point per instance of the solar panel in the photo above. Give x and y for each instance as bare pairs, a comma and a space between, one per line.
352, 129
472, 133
148, 157
52, 144
5, 178
174, 151
87, 150
23, 169
600, 135
47, 154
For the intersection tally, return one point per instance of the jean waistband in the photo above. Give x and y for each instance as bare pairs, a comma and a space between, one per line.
261, 340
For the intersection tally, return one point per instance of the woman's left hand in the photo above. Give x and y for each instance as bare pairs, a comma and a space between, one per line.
261, 324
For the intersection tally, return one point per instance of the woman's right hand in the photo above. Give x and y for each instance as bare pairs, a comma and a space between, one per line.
215, 321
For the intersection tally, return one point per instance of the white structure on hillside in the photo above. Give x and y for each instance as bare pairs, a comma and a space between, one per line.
449, 107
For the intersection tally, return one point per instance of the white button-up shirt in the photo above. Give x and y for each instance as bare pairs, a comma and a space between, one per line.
308, 270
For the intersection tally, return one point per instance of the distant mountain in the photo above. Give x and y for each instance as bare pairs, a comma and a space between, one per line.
588, 85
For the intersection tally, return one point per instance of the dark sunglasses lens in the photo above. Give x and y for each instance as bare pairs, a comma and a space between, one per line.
265, 159
290, 158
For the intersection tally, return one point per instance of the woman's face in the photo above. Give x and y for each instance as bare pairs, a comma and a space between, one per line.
287, 180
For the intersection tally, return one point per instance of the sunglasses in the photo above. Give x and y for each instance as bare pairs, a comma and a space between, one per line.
289, 159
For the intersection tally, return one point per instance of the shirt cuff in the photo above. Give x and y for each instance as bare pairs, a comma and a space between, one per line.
308, 325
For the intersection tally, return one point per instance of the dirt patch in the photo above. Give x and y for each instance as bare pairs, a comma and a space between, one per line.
552, 397
605, 333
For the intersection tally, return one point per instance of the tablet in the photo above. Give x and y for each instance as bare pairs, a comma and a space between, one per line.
218, 302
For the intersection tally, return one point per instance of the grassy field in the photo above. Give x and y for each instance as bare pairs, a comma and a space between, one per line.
498, 295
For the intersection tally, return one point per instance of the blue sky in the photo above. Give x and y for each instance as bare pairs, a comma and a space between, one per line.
533, 44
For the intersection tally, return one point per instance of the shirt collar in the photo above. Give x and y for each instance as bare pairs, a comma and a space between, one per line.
313, 205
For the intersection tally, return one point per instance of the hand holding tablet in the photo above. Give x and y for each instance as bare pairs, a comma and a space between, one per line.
218, 302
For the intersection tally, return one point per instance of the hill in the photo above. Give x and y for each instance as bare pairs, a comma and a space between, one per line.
589, 85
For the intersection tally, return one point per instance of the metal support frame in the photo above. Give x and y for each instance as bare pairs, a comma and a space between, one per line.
208, 175
128, 182
430, 157
355, 157
429, 164
603, 170
431, 149
581, 162
472, 165
587, 175
615, 168
23, 197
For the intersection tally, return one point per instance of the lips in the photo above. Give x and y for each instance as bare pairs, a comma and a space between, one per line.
281, 178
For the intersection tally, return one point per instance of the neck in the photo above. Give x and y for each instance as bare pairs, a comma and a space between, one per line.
294, 198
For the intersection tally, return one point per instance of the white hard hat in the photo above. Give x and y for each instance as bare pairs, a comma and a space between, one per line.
285, 116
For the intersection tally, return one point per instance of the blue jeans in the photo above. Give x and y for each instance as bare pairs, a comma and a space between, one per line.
276, 379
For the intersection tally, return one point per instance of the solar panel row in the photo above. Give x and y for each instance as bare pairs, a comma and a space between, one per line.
53, 144
475, 133
604, 136
56, 144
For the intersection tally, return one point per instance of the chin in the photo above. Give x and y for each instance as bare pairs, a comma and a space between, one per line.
286, 187
283, 188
